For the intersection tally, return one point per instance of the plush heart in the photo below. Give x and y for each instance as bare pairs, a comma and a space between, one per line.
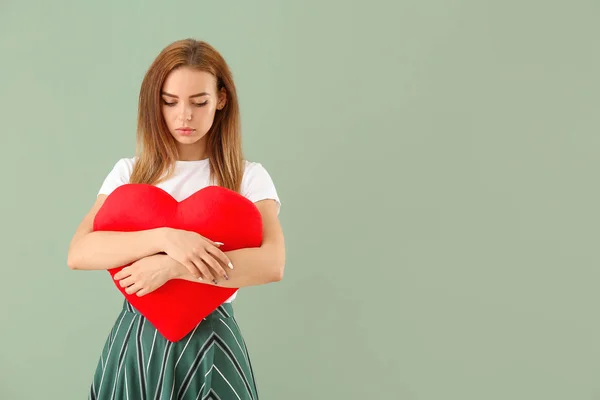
214, 212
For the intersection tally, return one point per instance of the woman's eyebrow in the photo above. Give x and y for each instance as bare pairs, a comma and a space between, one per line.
194, 95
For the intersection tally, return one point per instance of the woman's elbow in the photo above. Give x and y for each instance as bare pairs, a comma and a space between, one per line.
277, 271
72, 261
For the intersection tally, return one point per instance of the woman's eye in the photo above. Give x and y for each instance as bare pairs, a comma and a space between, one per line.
168, 104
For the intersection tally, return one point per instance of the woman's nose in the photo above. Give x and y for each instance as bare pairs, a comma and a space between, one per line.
186, 113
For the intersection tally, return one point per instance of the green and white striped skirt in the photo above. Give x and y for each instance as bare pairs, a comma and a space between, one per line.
138, 363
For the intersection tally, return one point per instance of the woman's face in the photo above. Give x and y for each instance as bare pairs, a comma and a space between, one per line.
189, 101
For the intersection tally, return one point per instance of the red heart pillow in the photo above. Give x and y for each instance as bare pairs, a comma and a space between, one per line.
214, 212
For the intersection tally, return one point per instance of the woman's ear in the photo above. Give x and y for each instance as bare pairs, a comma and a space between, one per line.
222, 99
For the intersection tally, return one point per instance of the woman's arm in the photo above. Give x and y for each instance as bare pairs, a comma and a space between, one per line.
252, 266
99, 250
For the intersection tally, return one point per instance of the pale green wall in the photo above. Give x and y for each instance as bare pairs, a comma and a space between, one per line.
437, 163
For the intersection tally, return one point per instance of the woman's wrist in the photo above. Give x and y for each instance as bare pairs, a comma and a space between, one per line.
173, 267
168, 264
160, 238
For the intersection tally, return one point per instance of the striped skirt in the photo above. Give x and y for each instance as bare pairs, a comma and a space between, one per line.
138, 363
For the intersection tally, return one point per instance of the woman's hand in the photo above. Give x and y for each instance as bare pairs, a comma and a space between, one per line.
201, 256
147, 274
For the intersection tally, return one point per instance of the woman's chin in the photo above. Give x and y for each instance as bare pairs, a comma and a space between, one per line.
188, 139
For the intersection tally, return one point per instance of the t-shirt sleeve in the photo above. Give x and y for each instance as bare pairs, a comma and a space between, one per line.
118, 176
257, 185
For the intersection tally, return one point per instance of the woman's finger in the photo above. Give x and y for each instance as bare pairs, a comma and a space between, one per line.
219, 255
207, 240
133, 288
212, 263
203, 268
124, 273
126, 282
193, 269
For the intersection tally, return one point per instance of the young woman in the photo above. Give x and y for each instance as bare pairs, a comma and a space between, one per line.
188, 138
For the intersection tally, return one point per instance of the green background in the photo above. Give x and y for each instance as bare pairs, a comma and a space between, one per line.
437, 163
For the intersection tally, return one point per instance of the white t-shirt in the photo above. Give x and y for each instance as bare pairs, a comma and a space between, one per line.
191, 176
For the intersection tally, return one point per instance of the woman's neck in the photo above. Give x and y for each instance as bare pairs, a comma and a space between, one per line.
191, 153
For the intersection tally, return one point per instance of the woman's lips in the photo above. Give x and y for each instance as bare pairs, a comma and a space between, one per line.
185, 131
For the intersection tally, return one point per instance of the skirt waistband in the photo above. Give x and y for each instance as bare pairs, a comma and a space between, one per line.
225, 310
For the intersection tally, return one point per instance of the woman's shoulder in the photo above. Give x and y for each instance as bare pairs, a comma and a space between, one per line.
123, 164
118, 175
126, 162
124, 167
257, 183
255, 173
253, 167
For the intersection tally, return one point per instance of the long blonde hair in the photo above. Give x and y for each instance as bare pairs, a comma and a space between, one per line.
155, 147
